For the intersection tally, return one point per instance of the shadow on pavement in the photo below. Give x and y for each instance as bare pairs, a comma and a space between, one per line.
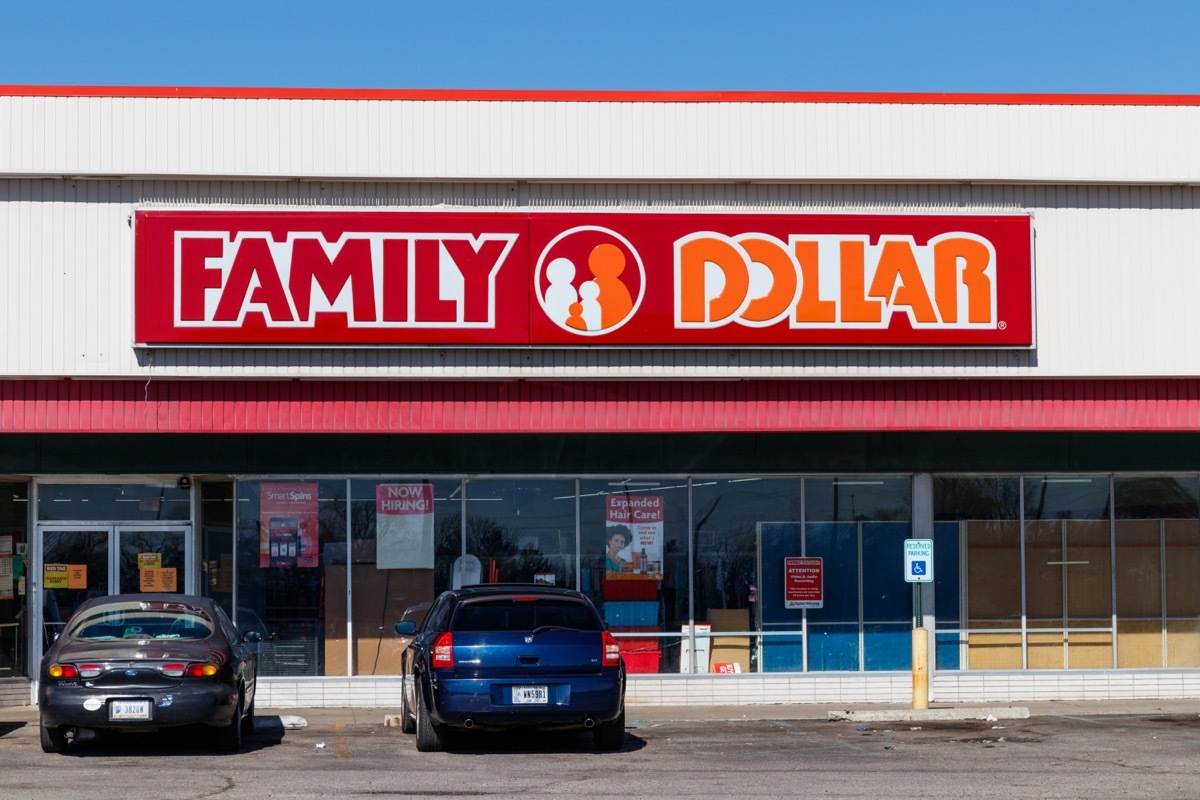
535, 742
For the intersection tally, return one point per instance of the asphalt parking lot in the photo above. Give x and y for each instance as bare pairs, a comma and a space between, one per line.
1100, 752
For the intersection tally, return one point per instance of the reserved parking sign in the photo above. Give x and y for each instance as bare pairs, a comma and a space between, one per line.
918, 560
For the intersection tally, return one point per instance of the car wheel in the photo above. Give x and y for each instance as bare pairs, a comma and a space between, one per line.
248, 721
229, 738
610, 735
430, 737
407, 724
53, 739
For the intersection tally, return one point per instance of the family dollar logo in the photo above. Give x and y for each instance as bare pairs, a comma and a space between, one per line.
590, 280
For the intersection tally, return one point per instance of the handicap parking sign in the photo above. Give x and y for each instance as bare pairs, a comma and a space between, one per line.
918, 560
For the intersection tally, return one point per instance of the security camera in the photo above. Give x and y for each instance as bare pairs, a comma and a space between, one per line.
184, 483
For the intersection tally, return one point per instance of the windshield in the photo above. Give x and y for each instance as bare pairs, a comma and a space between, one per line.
141, 621
524, 615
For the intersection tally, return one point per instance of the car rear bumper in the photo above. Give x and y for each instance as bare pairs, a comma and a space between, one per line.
488, 702
210, 703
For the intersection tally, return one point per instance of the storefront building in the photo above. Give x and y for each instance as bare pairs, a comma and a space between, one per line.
773, 378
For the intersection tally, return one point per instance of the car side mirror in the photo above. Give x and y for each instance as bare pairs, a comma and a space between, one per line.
406, 627
253, 637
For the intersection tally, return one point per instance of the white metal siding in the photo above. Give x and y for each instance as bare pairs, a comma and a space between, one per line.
1117, 271
472, 140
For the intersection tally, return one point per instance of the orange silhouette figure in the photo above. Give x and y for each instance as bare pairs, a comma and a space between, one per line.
607, 262
575, 320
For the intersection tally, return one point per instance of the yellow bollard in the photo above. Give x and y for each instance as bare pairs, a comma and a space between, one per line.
920, 666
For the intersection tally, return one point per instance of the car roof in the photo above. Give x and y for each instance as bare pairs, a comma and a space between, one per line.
514, 589
204, 603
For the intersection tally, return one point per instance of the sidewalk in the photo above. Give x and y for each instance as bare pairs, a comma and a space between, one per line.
866, 712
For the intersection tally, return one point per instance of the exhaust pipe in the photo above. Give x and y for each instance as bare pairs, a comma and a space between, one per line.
589, 723
468, 723
80, 734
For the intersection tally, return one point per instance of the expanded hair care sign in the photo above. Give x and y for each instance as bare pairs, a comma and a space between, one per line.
368, 278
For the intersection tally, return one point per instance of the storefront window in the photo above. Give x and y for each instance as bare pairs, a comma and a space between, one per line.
1068, 572
289, 533
742, 525
857, 526
634, 565
129, 502
977, 577
216, 542
405, 543
1157, 532
14, 522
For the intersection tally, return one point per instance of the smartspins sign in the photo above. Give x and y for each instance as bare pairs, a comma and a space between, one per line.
296, 278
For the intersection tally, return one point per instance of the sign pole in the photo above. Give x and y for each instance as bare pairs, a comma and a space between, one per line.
919, 657
918, 570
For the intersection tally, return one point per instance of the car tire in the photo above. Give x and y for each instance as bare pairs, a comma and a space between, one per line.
54, 740
248, 721
407, 723
431, 738
229, 738
610, 735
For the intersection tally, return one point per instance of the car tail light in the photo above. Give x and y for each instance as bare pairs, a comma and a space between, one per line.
173, 670
89, 670
63, 671
612, 651
443, 651
200, 670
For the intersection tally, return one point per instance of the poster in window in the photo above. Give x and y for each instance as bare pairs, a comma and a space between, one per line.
634, 536
404, 526
288, 525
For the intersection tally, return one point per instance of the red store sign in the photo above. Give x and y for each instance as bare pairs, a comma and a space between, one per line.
663, 280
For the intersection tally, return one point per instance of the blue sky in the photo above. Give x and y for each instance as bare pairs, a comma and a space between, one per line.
1073, 46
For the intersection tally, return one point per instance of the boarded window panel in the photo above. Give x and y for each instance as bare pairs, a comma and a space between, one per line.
1139, 569
993, 650
1139, 644
1183, 643
1089, 650
1045, 649
994, 571
1089, 573
1183, 592
1183, 568
1044, 572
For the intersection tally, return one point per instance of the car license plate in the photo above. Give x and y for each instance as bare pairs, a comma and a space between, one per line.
129, 709
530, 694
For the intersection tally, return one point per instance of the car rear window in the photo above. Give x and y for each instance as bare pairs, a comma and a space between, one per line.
159, 621
524, 615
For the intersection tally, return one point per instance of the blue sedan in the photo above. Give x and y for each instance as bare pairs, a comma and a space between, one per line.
506, 656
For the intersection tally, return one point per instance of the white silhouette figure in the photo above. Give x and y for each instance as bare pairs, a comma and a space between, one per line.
588, 292
560, 294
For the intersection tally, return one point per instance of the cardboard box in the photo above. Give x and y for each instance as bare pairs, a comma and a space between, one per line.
729, 649
380, 600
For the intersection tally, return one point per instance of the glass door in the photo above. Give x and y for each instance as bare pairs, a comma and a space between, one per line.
151, 560
82, 561
76, 566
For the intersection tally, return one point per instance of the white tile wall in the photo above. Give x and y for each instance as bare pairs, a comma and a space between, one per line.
824, 688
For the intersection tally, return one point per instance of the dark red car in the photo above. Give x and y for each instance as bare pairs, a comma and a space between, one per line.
143, 662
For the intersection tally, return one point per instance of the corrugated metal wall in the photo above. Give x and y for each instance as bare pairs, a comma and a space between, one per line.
543, 140
1117, 272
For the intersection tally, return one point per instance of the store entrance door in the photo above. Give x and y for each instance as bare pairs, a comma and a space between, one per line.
79, 562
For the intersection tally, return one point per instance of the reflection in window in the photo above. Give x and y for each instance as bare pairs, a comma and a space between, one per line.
521, 531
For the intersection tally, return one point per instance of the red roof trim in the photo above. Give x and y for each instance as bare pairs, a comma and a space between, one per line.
368, 407
601, 96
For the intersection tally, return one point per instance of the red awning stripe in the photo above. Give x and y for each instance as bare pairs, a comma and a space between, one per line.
70, 406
